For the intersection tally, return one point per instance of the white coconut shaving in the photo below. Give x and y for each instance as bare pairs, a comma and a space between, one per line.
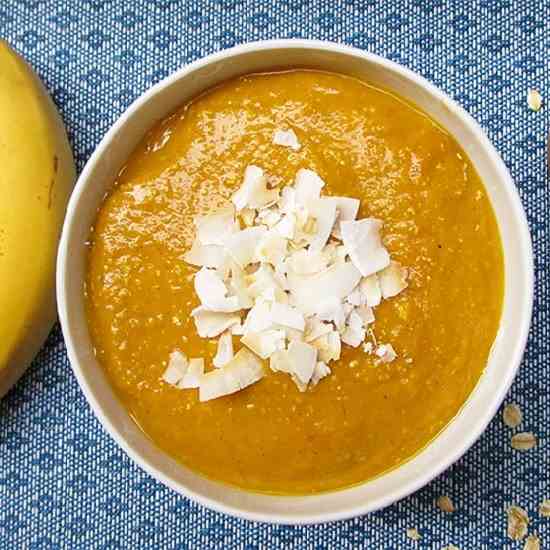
301, 279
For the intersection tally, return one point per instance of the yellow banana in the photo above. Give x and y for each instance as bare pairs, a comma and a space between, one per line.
36, 177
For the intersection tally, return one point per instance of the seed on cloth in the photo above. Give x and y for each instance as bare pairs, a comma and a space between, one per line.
532, 543
534, 100
413, 534
544, 508
524, 441
518, 520
512, 415
445, 504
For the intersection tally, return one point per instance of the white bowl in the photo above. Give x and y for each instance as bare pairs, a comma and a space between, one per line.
97, 178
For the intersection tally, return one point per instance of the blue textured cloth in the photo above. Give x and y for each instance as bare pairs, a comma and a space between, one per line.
63, 482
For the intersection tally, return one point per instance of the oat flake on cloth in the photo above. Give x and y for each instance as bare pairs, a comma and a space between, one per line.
63, 482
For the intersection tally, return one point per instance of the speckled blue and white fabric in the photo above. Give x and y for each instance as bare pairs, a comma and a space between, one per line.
63, 482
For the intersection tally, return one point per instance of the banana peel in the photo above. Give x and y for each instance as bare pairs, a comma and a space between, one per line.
37, 174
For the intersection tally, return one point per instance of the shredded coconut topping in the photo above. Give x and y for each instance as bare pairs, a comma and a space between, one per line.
286, 138
293, 275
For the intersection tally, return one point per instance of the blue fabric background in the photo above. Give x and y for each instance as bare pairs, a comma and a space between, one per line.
63, 481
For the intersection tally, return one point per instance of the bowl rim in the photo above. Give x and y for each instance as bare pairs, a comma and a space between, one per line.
524, 319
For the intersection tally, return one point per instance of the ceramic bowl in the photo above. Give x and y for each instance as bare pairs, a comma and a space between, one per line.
102, 168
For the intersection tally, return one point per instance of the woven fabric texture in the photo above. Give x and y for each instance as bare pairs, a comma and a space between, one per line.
64, 483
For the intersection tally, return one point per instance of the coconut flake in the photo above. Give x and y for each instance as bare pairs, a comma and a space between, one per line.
348, 308
303, 358
272, 248
309, 291
209, 286
332, 309
286, 138
295, 286
315, 328
265, 343
287, 316
362, 241
354, 320
212, 291
212, 323
319, 372
242, 245
299, 361
269, 216
265, 279
279, 361
177, 367
242, 371
356, 297
393, 280
368, 347
370, 288
237, 329
269, 296
293, 334
304, 228
352, 337
386, 353
328, 346
307, 186
224, 353
324, 212
302, 386
280, 276
366, 314
346, 210
287, 200
238, 286
339, 255
258, 318
209, 255
248, 216
192, 378
307, 262
253, 192
213, 229
287, 226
